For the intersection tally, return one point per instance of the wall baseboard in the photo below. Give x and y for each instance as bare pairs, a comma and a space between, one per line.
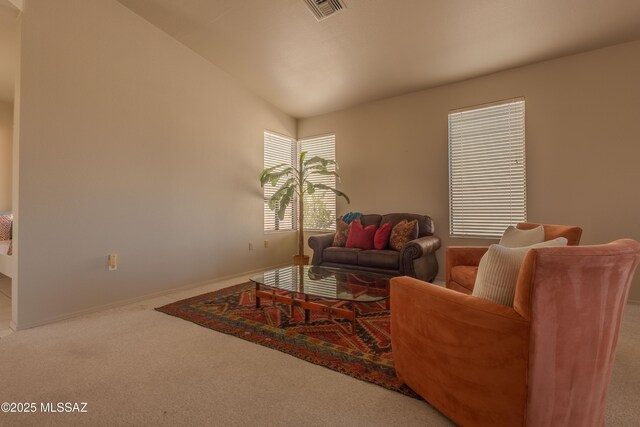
239, 276
103, 307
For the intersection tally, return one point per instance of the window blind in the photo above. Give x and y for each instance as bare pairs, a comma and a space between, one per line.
487, 173
278, 149
320, 207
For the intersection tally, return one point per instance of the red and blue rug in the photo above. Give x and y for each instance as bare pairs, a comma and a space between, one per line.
365, 355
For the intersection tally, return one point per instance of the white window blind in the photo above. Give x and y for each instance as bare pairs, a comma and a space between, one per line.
278, 149
487, 181
320, 207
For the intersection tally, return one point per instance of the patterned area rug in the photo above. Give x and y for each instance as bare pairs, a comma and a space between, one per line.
365, 355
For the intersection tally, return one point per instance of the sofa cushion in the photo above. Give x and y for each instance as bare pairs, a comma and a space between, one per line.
360, 237
386, 259
340, 255
464, 275
403, 232
342, 232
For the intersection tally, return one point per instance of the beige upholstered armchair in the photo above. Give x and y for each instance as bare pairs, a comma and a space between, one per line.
545, 361
462, 261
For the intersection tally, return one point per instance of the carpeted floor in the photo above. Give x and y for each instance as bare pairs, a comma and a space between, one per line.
135, 366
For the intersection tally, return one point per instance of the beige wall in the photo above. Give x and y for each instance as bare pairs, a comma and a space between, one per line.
131, 144
6, 154
583, 145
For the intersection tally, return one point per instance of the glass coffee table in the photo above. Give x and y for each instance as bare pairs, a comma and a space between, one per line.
320, 289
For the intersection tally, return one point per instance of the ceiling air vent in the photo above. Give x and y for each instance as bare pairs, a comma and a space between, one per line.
322, 9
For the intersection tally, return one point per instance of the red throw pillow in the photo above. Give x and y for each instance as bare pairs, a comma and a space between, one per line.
381, 238
360, 237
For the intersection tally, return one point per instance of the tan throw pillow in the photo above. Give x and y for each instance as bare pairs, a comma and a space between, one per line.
515, 238
403, 232
5, 226
342, 232
499, 268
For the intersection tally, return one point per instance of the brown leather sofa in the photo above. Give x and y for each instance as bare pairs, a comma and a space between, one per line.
416, 259
462, 261
545, 361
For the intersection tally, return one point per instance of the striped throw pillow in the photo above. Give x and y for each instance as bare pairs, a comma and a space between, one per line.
499, 268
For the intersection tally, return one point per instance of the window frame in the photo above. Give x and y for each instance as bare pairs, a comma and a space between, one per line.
291, 215
297, 148
478, 210
329, 180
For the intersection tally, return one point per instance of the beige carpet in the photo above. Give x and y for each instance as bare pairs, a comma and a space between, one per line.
135, 366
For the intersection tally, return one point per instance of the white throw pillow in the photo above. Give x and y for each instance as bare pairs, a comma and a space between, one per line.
499, 268
515, 238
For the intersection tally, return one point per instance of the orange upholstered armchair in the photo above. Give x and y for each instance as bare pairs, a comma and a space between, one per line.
462, 261
545, 361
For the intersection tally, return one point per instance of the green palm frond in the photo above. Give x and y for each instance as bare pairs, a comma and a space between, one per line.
310, 188
336, 192
284, 201
318, 159
323, 171
274, 177
278, 195
267, 172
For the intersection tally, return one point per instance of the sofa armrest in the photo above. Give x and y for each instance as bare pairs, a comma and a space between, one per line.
420, 247
464, 355
318, 243
462, 255
418, 259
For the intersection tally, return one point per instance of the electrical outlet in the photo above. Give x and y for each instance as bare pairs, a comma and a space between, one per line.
266, 243
113, 262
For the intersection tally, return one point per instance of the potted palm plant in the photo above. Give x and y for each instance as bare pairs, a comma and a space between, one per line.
294, 184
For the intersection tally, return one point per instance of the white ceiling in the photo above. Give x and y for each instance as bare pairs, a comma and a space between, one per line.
380, 48
8, 50
373, 49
